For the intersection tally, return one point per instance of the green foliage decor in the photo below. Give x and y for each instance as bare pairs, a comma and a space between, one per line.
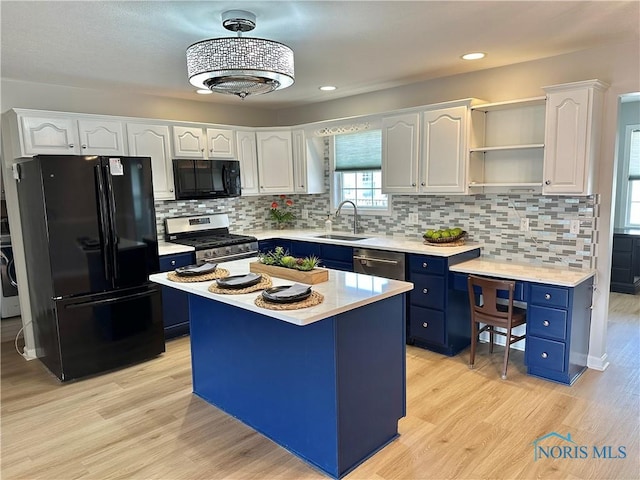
280, 257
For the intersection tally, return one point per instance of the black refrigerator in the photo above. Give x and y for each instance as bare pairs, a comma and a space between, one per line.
89, 231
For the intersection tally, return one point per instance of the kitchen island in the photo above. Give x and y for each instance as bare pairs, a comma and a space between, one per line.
327, 382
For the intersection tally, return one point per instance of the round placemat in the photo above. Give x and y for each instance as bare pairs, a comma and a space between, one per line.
311, 301
456, 243
217, 273
265, 282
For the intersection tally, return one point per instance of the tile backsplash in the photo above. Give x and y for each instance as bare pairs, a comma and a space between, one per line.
491, 219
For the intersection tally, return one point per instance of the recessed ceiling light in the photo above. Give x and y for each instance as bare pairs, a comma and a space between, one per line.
473, 56
202, 91
328, 88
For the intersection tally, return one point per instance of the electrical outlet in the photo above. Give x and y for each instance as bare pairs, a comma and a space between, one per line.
524, 224
305, 214
574, 227
413, 218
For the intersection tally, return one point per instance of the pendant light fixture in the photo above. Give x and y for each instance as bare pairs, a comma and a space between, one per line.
240, 65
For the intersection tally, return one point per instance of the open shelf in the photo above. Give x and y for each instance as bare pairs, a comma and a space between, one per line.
510, 104
507, 147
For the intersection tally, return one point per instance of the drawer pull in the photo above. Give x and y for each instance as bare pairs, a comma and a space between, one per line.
173, 262
425, 324
547, 296
425, 290
546, 323
544, 355
424, 265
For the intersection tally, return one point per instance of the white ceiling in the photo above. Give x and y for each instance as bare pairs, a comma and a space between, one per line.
359, 46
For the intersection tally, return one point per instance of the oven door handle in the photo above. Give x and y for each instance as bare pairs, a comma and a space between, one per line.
250, 253
372, 259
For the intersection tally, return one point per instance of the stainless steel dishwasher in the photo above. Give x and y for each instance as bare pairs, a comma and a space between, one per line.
380, 263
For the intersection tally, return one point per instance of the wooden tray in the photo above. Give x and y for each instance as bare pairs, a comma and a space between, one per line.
311, 277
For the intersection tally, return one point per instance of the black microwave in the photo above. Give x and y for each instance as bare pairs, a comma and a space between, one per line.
201, 179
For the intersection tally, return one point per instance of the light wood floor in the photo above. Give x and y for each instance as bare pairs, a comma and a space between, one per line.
144, 423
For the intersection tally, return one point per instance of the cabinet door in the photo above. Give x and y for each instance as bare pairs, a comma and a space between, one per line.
444, 158
101, 137
299, 162
49, 135
400, 150
189, 142
308, 163
275, 162
572, 131
153, 141
248, 157
221, 143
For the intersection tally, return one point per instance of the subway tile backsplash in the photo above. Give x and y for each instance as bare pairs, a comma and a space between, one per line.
491, 219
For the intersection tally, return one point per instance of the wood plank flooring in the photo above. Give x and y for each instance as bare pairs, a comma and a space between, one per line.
143, 422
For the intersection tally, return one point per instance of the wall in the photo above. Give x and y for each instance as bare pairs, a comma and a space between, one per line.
39, 96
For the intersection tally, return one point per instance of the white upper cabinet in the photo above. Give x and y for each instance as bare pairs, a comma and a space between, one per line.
308, 163
400, 153
221, 143
154, 141
101, 137
248, 157
275, 161
201, 142
69, 135
444, 150
573, 126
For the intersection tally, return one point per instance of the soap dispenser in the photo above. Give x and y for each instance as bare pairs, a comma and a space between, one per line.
328, 225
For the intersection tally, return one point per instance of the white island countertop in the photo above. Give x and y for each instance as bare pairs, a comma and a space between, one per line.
343, 292
548, 274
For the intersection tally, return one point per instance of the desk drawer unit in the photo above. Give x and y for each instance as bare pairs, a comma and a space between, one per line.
558, 324
438, 314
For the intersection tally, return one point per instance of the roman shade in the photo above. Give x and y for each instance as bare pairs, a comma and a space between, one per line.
358, 151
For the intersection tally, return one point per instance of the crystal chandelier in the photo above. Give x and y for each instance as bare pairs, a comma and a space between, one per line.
240, 65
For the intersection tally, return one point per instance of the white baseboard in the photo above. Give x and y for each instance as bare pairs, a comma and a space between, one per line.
598, 363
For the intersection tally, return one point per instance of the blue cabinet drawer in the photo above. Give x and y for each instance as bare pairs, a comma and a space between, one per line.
547, 354
551, 296
425, 264
547, 322
426, 325
428, 291
336, 253
171, 262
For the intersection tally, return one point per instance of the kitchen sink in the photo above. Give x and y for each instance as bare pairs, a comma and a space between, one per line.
334, 236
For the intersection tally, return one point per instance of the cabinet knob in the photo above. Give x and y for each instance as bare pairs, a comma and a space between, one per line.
544, 355
71, 145
425, 324
173, 262
547, 296
546, 323
84, 146
171, 190
425, 290
202, 150
547, 182
423, 184
424, 265
413, 184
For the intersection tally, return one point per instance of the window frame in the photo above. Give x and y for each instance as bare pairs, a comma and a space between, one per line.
335, 186
625, 186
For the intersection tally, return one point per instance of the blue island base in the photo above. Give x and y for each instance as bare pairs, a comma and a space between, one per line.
330, 392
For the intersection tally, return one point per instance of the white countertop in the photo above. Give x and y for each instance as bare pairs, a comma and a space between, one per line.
380, 242
564, 276
343, 292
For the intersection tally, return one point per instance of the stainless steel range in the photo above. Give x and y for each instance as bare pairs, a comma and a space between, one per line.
210, 236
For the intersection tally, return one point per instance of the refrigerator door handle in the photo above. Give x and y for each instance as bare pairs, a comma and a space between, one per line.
112, 222
110, 300
104, 225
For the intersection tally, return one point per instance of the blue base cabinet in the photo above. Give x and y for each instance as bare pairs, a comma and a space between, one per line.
558, 328
337, 257
438, 314
331, 392
175, 304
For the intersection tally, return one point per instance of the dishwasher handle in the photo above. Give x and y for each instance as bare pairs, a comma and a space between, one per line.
371, 259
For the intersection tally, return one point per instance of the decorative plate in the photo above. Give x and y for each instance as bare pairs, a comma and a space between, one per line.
271, 294
195, 270
239, 281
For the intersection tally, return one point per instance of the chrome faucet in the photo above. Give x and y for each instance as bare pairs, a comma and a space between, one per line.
355, 214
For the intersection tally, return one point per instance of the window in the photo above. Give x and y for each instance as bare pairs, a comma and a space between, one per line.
631, 188
357, 174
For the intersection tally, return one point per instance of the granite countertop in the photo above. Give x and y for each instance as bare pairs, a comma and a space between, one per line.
553, 275
343, 292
